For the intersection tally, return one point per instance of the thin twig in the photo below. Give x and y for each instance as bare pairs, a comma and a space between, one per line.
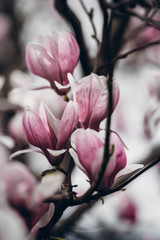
90, 15
128, 11
102, 53
116, 6
124, 55
134, 50
148, 21
152, 159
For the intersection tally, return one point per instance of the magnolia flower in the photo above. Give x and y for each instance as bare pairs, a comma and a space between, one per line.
48, 133
88, 155
91, 95
127, 209
19, 187
53, 57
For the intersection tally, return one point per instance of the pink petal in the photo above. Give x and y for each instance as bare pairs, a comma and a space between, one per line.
50, 43
52, 121
126, 173
35, 131
62, 87
68, 51
56, 153
117, 161
68, 122
116, 94
17, 153
99, 112
44, 219
88, 90
44, 112
40, 62
76, 160
87, 144
19, 183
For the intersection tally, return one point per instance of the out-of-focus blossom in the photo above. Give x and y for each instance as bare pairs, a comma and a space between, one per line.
53, 57
19, 187
127, 210
15, 132
5, 40
27, 81
46, 132
150, 33
91, 95
5, 26
19, 184
49, 185
89, 148
24, 98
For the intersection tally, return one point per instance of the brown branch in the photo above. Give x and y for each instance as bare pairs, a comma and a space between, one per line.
72, 219
124, 5
148, 21
90, 15
118, 5
102, 53
151, 160
134, 50
124, 55
68, 14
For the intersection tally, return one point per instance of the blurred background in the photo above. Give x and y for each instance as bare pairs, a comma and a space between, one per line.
131, 214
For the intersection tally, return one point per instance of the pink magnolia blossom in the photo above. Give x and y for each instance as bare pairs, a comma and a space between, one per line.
53, 57
91, 93
48, 133
127, 210
19, 184
19, 187
88, 155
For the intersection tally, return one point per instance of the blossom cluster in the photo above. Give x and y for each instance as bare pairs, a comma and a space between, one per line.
70, 127
78, 130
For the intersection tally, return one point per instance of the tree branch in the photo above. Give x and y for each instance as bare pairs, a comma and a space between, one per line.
90, 16
134, 50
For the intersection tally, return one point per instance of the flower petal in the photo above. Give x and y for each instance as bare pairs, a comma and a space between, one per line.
87, 145
40, 62
17, 153
76, 160
126, 173
61, 87
56, 153
35, 131
53, 121
68, 122
68, 51
88, 90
